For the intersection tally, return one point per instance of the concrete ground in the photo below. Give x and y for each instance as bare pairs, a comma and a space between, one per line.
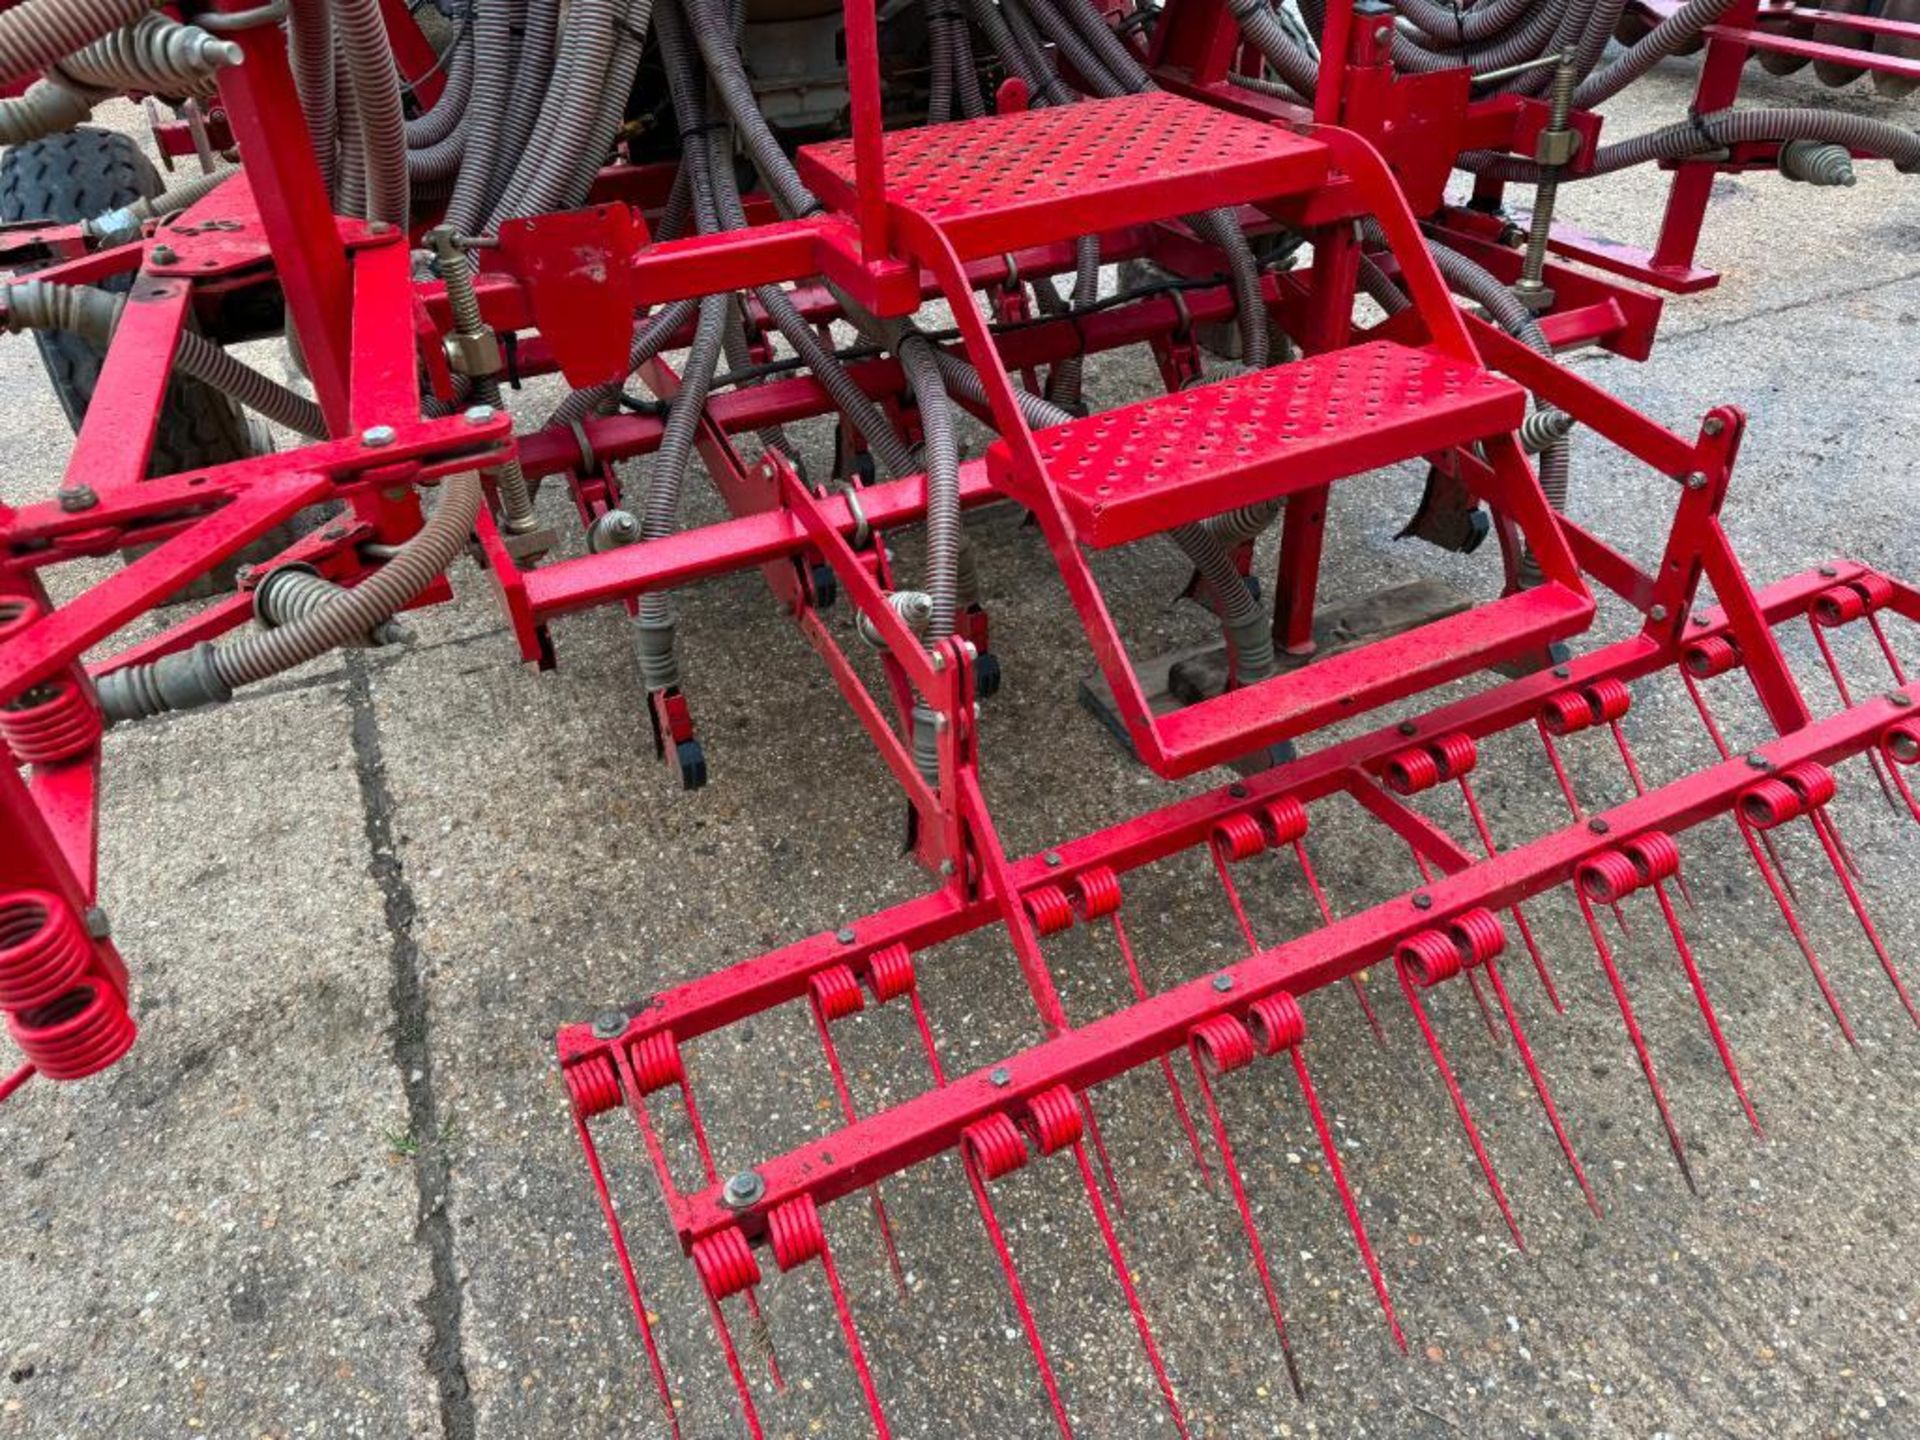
335, 1191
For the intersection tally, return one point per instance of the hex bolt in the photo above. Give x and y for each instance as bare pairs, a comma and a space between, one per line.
1237, 790
1695, 481
1829, 571
1001, 1076
1407, 727
1657, 613
75, 498
1052, 859
1713, 425
1223, 983
1900, 698
377, 435
478, 414
1423, 902
1563, 672
742, 1190
844, 934
609, 1024
1759, 762
1598, 826
163, 255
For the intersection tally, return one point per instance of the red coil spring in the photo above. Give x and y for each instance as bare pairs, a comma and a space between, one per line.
1902, 742
1812, 782
16, 613
1715, 655
1287, 820
1098, 892
1050, 909
794, 1232
837, 992
1572, 711
1610, 698
1787, 796
50, 723
80, 1034
1841, 603
890, 972
1277, 1023
1609, 876
656, 1061
1224, 1043
1412, 770
995, 1146
1478, 936
593, 1085
1431, 957
725, 1262
1654, 855
1240, 837
43, 949
1054, 1119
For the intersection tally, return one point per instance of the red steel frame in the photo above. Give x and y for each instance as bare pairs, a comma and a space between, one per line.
366, 332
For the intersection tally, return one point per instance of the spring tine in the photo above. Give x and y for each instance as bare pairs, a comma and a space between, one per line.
1480, 1002
1780, 898
1232, 1167
1560, 771
14, 1081
1540, 1088
1846, 699
1233, 894
1831, 843
1640, 788
856, 1352
1699, 984
926, 1037
1166, 1065
1899, 780
1619, 988
1124, 1275
1331, 1152
1100, 1149
1893, 660
1019, 1293
851, 1114
747, 1411
1326, 918
1459, 1101
754, 1316
1479, 818
632, 1280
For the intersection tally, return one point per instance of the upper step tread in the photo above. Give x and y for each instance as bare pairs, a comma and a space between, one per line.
1074, 169
1142, 469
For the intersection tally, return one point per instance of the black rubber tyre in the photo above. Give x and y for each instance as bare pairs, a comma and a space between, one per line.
75, 176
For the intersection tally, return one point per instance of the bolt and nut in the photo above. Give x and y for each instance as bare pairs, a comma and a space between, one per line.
742, 1190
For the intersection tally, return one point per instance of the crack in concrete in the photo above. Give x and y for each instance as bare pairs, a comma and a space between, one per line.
413, 1057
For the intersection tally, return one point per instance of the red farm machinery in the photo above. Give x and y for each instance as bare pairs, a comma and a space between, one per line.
1331, 227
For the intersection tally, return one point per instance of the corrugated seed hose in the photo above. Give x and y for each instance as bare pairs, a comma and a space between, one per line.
37, 33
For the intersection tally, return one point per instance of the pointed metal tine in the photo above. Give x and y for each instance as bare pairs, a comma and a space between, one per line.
1830, 841
984, 1203
1231, 1165
1559, 770
1326, 918
851, 1114
1886, 649
927, 1042
1233, 894
628, 1275
1540, 1087
1846, 699
747, 1410
1330, 1150
1412, 993
1124, 1274
1480, 1002
1180, 1108
1785, 905
856, 1352
1906, 790
1619, 989
1706, 715
1100, 1149
1779, 865
1479, 818
1699, 985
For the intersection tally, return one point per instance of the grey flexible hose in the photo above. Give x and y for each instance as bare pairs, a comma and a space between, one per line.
1043, 86
310, 46
47, 108
713, 35
649, 339
486, 113
154, 53
375, 82
539, 28
94, 314
1657, 44
446, 113
35, 34
942, 450
210, 672
1073, 48
612, 115
1292, 64
940, 66
966, 70
1064, 384
568, 117
1449, 26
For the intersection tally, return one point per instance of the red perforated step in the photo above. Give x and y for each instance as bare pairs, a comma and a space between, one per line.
1006, 181
1142, 469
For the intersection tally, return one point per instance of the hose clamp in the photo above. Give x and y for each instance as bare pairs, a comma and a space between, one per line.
589, 461
862, 531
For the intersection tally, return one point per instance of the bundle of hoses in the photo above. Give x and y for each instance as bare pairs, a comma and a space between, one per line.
94, 314
152, 54
211, 671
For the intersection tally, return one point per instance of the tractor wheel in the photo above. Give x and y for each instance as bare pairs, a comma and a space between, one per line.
78, 175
